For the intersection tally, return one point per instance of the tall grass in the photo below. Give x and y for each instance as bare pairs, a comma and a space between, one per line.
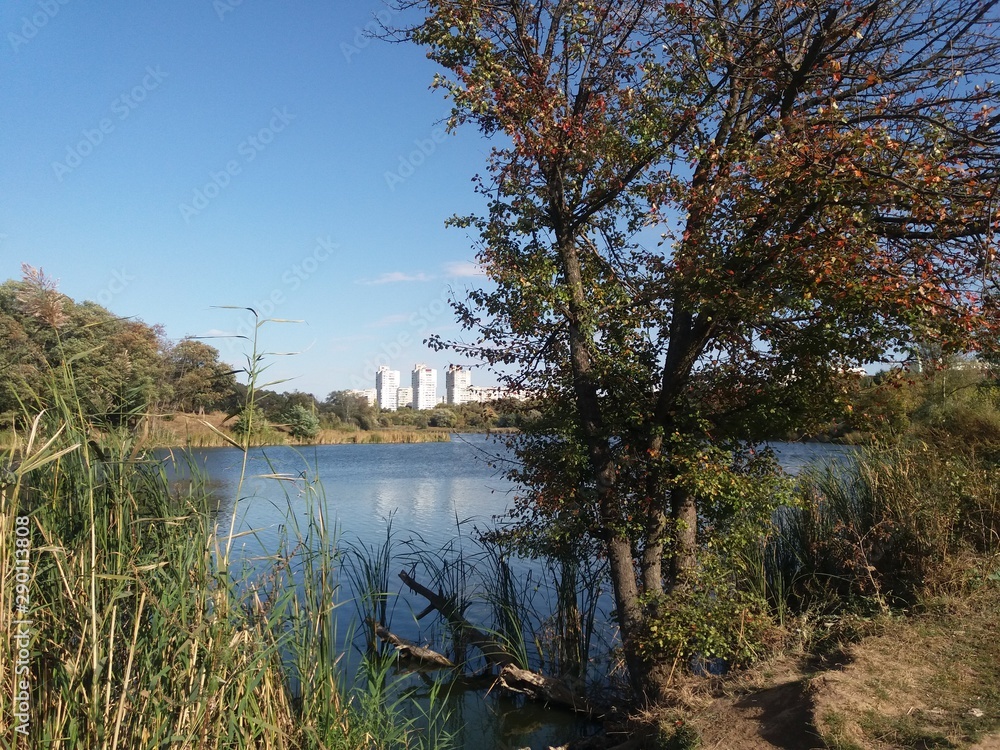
212, 431
897, 523
368, 568
139, 639
145, 631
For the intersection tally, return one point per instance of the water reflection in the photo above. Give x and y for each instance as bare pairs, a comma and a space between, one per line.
434, 494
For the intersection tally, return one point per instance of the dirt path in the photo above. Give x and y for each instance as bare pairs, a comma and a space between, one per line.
929, 681
776, 717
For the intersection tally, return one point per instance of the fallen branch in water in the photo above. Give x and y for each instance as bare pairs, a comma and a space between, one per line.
539, 687
494, 652
512, 677
412, 650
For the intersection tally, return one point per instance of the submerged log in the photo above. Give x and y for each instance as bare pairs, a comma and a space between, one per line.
493, 651
412, 650
512, 678
539, 687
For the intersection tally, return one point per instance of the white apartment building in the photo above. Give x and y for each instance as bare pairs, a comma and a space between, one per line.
404, 397
424, 382
484, 394
386, 385
368, 393
458, 381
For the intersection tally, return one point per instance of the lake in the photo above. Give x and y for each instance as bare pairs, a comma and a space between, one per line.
436, 495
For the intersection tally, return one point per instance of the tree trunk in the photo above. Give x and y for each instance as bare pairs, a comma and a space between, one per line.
631, 619
685, 557
651, 565
572, 656
617, 546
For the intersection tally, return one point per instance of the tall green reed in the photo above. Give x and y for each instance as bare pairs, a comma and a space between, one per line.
899, 520
145, 630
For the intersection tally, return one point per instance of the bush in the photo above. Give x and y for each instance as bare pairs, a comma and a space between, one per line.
885, 528
302, 422
709, 624
250, 421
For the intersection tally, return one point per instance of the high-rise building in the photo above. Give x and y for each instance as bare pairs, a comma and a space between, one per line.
369, 394
404, 397
424, 381
458, 381
386, 384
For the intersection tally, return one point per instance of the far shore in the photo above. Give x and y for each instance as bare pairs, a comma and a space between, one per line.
182, 430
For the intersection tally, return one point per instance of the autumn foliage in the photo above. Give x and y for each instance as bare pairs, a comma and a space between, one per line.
700, 216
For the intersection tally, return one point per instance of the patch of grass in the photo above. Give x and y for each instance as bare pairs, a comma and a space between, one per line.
908, 731
681, 736
931, 680
837, 735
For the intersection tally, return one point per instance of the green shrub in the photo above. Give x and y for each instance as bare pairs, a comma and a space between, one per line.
302, 422
899, 519
250, 421
709, 619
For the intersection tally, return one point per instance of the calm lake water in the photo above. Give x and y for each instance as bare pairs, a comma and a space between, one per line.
436, 495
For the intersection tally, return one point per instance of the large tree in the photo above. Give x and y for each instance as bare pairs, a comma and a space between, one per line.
823, 176
198, 378
116, 363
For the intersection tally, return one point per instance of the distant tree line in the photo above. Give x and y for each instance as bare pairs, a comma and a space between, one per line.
347, 410
123, 369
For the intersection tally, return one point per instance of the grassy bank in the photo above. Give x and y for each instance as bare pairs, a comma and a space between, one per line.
926, 679
197, 431
134, 627
883, 587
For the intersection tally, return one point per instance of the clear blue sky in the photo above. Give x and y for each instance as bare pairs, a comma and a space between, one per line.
162, 158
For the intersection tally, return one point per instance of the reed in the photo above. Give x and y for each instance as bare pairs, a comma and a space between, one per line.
888, 528
339, 437
368, 569
142, 628
212, 431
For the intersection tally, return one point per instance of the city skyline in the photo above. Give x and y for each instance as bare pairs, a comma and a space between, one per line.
389, 395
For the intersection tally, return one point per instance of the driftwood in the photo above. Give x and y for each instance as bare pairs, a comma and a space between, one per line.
493, 652
412, 650
525, 682
542, 688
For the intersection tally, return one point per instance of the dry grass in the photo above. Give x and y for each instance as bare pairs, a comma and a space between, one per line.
929, 681
196, 431
142, 632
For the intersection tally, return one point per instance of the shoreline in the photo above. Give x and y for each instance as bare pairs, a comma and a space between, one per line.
179, 431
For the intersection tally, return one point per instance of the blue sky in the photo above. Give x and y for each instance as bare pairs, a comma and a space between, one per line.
165, 158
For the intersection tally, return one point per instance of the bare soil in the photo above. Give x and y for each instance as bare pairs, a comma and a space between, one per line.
925, 681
